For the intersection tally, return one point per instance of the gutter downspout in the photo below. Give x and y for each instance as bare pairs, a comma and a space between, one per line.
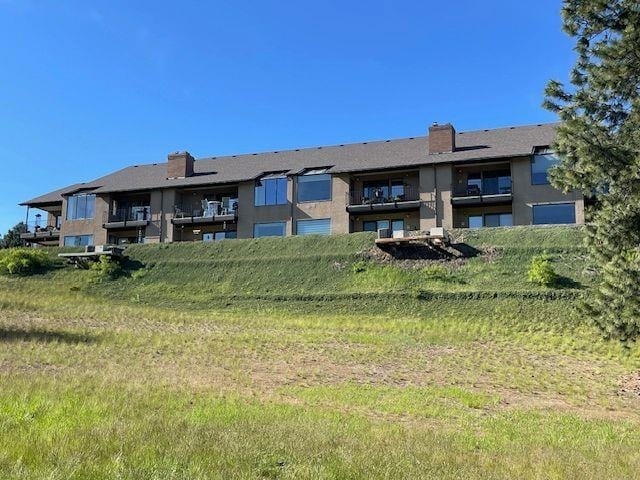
161, 213
435, 204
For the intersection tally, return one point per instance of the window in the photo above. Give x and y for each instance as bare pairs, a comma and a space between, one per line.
540, 165
554, 213
375, 225
498, 220
495, 183
383, 190
80, 206
78, 240
491, 220
314, 186
225, 235
314, 227
271, 190
273, 229
475, 221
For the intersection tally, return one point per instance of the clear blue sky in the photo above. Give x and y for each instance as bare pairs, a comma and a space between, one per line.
88, 87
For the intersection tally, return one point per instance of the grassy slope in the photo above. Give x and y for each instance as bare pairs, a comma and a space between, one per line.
273, 358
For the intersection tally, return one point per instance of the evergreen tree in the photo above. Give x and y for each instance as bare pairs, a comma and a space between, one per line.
599, 142
12, 238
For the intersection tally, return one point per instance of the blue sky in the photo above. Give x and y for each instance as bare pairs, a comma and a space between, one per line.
88, 87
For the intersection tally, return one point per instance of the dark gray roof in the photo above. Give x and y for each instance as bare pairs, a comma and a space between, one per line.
401, 153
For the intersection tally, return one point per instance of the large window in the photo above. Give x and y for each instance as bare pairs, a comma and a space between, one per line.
314, 186
320, 226
80, 207
271, 190
272, 229
491, 220
554, 213
540, 165
78, 240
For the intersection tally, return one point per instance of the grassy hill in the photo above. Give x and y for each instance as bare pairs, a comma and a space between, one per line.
299, 357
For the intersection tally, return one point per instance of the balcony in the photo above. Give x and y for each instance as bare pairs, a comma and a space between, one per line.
398, 198
209, 212
38, 233
133, 217
474, 195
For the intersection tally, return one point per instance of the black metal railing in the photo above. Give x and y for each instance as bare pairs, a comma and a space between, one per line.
477, 191
210, 209
374, 196
41, 226
131, 214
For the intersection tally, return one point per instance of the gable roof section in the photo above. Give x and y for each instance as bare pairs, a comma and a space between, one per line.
377, 155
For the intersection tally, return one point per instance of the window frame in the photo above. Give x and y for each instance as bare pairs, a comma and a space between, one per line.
75, 201
314, 172
483, 216
281, 180
284, 229
552, 204
328, 219
89, 236
543, 152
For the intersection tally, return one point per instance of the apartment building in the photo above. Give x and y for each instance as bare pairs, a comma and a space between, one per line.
475, 179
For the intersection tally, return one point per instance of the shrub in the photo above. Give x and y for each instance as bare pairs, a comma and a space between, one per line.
359, 267
105, 269
541, 271
22, 261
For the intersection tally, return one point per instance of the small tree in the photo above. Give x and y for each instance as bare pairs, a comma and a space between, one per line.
541, 271
12, 238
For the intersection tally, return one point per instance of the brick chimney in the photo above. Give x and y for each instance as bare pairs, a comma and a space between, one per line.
442, 138
179, 165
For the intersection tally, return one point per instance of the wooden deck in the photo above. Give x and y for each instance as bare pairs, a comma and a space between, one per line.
82, 259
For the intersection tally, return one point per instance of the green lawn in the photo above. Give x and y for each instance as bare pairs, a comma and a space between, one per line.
278, 358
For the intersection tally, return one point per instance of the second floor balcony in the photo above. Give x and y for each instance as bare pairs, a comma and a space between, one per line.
383, 198
209, 211
38, 231
127, 217
486, 187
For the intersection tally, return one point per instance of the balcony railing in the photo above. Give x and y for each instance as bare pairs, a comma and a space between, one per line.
132, 216
38, 230
476, 191
469, 195
378, 196
207, 212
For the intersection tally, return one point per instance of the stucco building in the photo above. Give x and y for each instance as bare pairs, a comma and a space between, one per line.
448, 179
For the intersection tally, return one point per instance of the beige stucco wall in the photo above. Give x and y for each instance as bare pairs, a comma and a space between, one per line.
435, 195
525, 195
335, 208
91, 226
249, 214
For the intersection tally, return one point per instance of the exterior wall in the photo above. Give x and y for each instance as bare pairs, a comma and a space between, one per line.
435, 194
91, 226
433, 182
525, 195
249, 214
335, 208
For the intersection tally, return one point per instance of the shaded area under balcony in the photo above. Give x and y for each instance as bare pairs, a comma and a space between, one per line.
132, 217
399, 198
